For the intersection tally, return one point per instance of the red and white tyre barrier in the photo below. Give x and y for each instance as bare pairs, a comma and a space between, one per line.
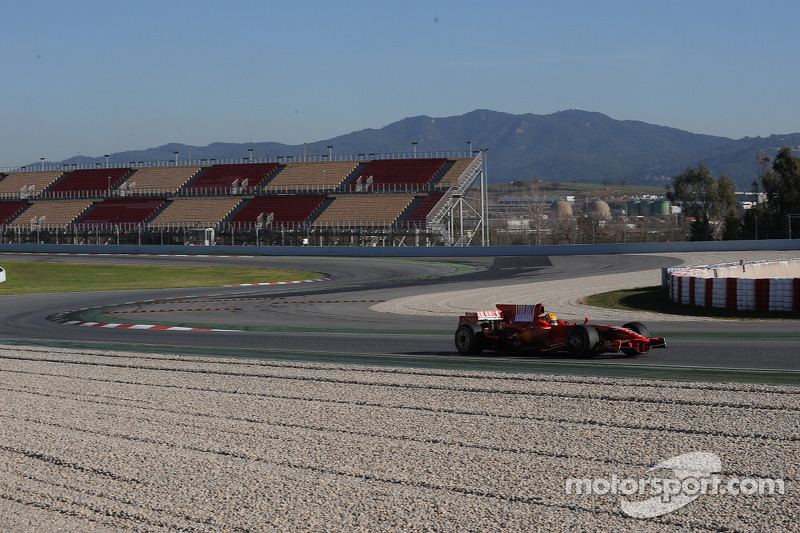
739, 293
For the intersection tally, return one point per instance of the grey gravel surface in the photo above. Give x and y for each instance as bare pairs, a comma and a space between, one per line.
102, 441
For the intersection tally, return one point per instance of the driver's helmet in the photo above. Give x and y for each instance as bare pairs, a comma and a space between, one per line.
551, 319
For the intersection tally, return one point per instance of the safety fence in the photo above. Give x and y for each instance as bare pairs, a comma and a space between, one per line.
743, 286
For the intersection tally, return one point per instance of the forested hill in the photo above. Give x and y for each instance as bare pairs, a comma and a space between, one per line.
570, 145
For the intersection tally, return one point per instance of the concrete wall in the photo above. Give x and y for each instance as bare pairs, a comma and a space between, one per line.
748, 286
414, 251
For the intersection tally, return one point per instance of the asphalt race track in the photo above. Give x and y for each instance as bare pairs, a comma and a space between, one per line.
331, 319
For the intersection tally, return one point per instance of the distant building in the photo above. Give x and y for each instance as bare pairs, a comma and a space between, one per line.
748, 200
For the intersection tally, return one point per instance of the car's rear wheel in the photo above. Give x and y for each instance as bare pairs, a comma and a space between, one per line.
582, 341
469, 339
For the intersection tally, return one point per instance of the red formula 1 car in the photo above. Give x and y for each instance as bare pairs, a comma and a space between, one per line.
521, 327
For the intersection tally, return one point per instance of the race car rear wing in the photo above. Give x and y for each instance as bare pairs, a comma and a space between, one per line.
480, 316
521, 313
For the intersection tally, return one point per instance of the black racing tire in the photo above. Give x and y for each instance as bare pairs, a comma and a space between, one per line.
469, 339
582, 341
638, 327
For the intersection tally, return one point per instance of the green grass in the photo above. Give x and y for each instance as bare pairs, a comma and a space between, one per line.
37, 277
656, 299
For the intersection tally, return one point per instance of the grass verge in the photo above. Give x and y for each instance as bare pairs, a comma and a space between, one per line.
38, 277
656, 299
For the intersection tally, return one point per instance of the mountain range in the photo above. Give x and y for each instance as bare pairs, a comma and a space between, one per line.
566, 146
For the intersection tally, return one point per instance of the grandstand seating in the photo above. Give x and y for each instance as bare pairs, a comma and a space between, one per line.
322, 194
158, 180
11, 184
364, 210
87, 182
450, 179
419, 216
218, 178
195, 211
286, 210
317, 176
8, 210
399, 174
56, 212
123, 211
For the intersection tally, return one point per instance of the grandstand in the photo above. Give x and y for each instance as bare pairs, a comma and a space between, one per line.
419, 216
87, 182
363, 210
454, 173
317, 176
195, 212
10, 209
394, 175
236, 178
52, 213
122, 211
355, 200
158, 180
287, 210
27, 184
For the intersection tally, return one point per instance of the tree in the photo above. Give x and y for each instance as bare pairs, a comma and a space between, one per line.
731, 227
695, 191
701, 229
726, 196
781, 186
705, 199
782, 183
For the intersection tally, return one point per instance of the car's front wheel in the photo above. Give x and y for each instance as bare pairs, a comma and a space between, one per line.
636, 327
469, 340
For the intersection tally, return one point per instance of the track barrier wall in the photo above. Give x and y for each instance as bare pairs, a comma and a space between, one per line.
415, 251
742, 286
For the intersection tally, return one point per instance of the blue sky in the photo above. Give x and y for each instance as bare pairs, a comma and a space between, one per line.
95, 77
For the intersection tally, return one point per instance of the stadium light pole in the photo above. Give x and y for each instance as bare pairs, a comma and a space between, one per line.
469, 152
414, 144
42, 159
250, 157
176, 157
484, 198
106, 160
330, 152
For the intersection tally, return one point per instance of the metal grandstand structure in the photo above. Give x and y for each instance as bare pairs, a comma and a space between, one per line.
390, 200
455, 217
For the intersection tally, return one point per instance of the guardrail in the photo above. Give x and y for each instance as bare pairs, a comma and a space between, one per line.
745, 286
